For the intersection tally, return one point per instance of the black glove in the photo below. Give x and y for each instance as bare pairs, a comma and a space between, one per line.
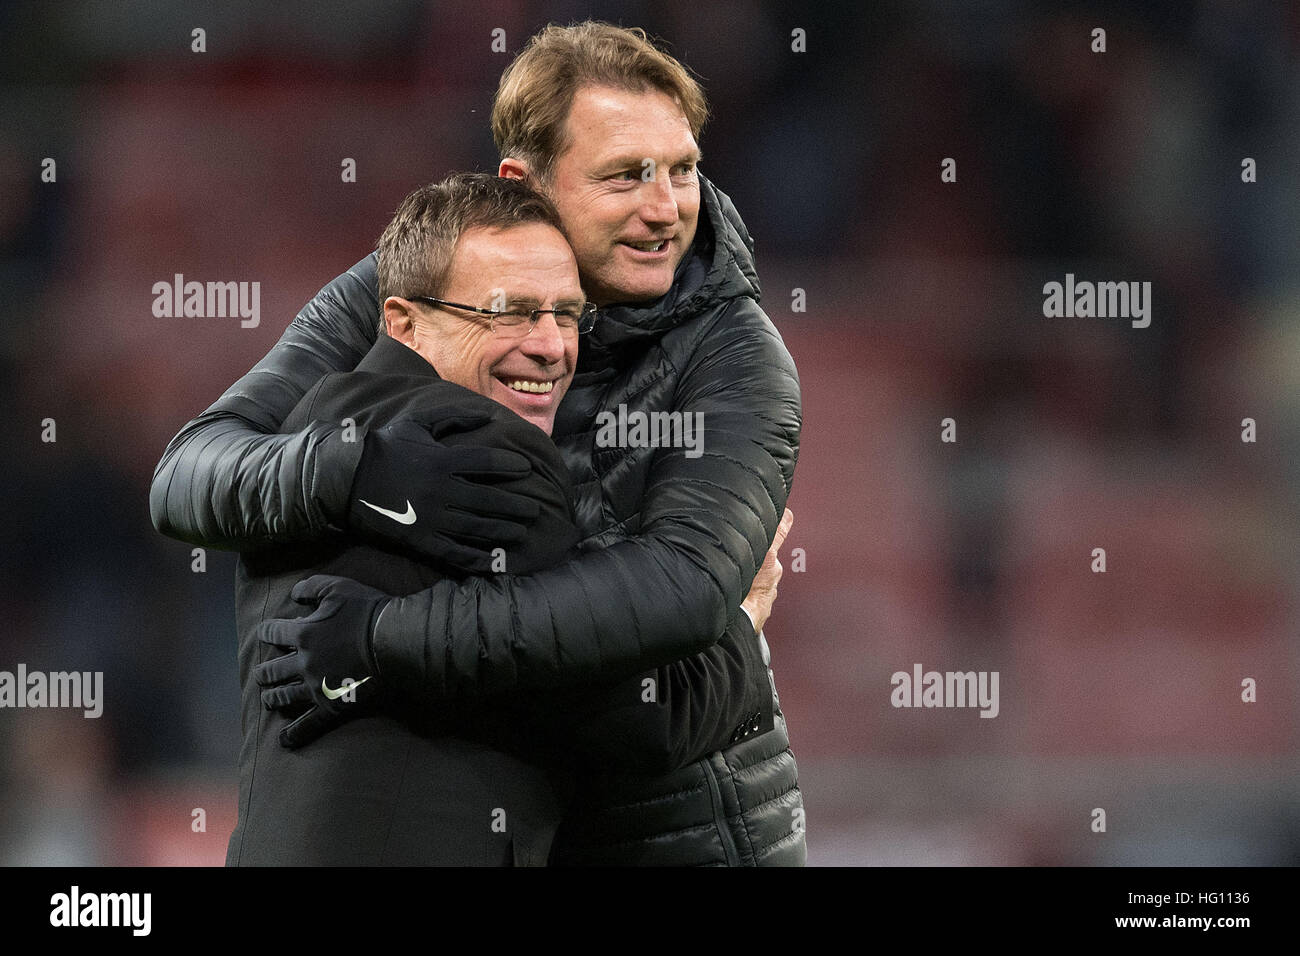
438, 500
329, 647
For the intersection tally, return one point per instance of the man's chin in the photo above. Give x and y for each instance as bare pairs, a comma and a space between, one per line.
629, 277
639, 288
543, 418
545, 422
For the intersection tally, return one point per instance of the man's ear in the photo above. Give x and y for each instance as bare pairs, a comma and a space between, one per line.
515, 169
399, 320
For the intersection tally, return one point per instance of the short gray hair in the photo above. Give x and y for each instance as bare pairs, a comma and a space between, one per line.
416, 249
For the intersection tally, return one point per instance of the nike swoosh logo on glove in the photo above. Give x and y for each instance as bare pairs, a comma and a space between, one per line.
407, 518
347, 686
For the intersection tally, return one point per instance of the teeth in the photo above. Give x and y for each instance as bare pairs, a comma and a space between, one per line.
648, 246
540, 388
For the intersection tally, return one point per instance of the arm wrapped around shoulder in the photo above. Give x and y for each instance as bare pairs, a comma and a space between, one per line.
227, 480
709, 513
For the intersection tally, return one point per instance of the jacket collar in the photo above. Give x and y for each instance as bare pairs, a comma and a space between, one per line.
390, 357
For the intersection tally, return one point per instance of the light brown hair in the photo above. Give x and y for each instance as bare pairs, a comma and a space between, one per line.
536, 91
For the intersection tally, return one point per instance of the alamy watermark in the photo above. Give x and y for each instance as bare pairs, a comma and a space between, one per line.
212, 300
638, 429
1102, 300
946, 689
76, 689
75, 908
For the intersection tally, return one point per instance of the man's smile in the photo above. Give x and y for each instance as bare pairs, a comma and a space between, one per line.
525, 385
526, 393
648, 250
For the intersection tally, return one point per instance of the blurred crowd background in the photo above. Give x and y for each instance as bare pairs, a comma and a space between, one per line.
1119, 691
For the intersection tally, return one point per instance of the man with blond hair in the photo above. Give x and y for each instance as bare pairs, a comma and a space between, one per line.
690, 764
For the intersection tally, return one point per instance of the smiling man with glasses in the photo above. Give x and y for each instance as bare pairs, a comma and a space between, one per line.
421, 784
513, 350
501, 353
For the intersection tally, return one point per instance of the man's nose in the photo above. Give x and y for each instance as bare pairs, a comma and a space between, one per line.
658, 201
545, 342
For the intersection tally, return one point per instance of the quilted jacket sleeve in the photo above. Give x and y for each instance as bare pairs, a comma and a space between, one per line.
665, 594
665, 718
227, 480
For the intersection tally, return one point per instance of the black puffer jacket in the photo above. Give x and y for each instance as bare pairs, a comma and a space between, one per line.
672, 542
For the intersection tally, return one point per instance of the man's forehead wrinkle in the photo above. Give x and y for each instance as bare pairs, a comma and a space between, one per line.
532, 291
623, 131
614, 157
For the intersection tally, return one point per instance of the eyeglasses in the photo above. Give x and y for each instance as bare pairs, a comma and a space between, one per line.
519, 321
